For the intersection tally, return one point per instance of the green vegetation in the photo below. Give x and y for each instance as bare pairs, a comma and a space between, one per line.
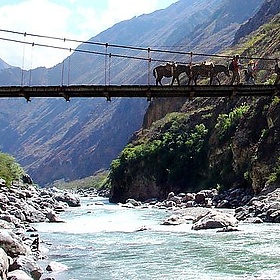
226, 122
9, 169
275, 100
168, 157
275, 174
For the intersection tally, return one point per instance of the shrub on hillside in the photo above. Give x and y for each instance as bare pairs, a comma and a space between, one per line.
9, 169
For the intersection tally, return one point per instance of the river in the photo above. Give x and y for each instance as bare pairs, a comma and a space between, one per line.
103, 242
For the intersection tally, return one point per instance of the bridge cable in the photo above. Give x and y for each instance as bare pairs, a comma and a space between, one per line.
134, 47
23, 61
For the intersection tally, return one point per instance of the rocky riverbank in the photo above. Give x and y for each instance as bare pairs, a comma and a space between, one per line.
22, 204
207, 209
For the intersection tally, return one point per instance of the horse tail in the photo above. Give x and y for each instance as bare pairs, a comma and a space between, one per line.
155, 73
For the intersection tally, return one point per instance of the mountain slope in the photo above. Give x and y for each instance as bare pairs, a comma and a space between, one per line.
53, 139
3, 64
269, 9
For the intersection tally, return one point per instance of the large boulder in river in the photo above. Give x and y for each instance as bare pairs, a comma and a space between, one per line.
71, 199
214, 219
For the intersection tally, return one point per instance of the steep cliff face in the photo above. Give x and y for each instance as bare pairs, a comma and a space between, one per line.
229, 144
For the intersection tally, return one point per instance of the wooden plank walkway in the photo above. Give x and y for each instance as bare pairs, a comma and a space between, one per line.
87, 91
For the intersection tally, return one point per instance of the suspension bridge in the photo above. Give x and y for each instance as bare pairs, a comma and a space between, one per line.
142, 91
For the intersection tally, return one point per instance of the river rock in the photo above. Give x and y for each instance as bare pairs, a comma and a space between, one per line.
11, 244
200, 198
172, 197
71, 199
56, 267
173, 220
6, 225
188, 197
133, 202
28, 265
214, 219
4, 264
18, 275
228, 229
53, 218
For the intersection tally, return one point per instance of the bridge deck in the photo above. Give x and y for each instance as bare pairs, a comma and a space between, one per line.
137, 91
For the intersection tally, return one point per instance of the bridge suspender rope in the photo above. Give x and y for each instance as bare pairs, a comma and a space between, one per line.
69, 68
110, 62
30, 70
149, 66
105, 63
23, 61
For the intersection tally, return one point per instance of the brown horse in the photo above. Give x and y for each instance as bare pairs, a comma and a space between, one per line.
218, 68
170, 70
204, 70
208, 71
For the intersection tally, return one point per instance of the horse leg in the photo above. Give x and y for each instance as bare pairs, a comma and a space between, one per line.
157, 82
195, 80
173, 80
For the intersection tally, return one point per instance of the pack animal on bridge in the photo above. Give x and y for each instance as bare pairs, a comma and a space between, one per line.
193, 72
171, 70
208, 70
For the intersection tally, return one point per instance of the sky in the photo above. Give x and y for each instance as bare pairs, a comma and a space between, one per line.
71, 19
